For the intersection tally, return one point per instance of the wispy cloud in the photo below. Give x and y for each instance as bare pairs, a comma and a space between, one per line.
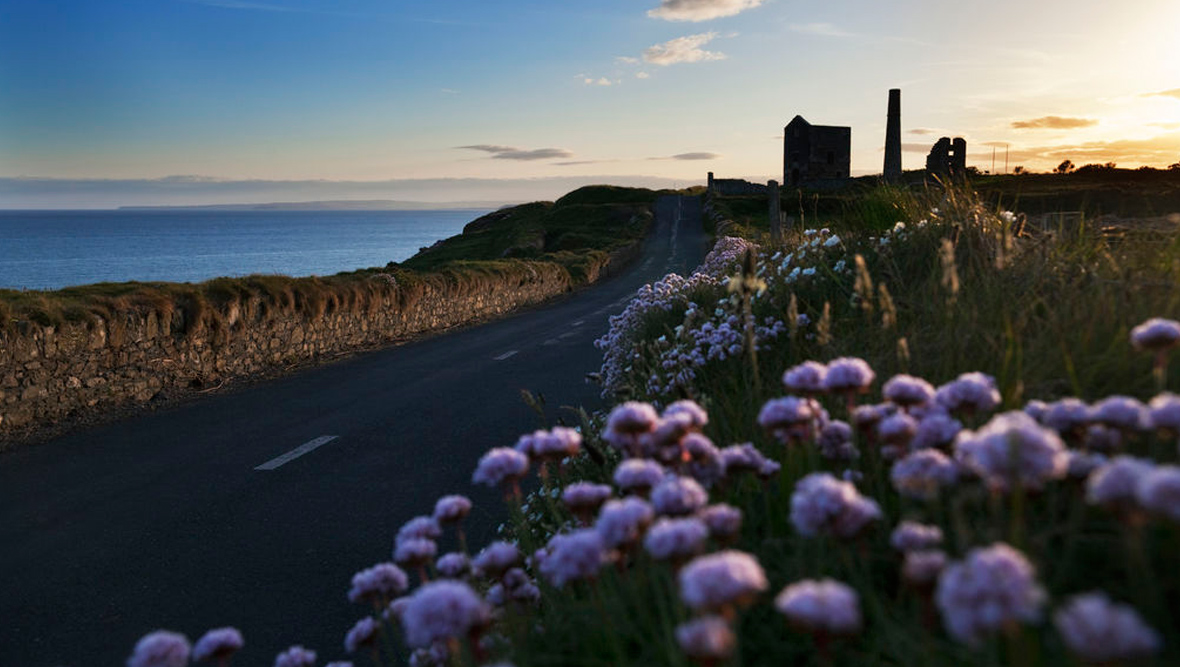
448, 91
821, 29
690, 156
685, 49
627, 60
700, 10
1175, 92
642, 75
1054, 123
600, 81
923, 131
512, 153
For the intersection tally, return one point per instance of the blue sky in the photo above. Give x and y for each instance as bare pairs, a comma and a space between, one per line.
545, 92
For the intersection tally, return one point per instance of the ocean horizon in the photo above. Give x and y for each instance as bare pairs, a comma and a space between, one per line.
53, 249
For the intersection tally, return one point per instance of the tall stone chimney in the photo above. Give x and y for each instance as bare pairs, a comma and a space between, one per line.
893, 137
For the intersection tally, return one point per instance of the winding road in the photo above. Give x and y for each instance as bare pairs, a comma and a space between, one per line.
254, 508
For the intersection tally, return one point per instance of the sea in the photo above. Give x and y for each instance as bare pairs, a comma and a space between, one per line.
44, 250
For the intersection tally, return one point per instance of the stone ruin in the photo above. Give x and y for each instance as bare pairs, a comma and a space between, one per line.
948, 157
816, 155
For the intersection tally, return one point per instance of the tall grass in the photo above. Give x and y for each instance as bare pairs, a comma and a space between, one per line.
1046, 312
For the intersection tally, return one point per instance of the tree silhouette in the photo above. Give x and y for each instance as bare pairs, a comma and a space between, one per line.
1064, 168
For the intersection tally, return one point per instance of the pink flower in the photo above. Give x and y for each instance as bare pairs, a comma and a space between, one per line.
1165, 412
674, 539
991, 588
1010, 448
363, 634
807, 378
1159, 491
585, 497
937, 429
848, 374
638, 475
907, 390
496, 558
451, 509
822, 504
914, 536
160, 649
1066, 415
1100, 631
970, 392
1121, 412
922, 474
555, 444
296, 656
708, 638
442, 610
921, 568
574, 556
1156, 334
383, 581
622, 522
721, 580
825, 607
835, 441
414, 551
421, 527
695, 414
723, 521
218, 644
500, 465
677, 496
897, 429
742, 457
1115, 484
789, 418
453, 566
627, 422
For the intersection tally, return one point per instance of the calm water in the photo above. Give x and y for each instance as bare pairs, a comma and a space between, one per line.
52, 249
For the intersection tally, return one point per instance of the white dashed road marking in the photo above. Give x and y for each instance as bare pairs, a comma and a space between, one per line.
507, 354
297, 452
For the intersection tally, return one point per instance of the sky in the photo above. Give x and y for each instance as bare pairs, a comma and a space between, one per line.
112, 102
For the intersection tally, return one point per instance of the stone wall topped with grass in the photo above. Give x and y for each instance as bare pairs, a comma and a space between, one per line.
165, 338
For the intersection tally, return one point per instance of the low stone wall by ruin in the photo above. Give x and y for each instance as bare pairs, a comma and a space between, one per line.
53, 374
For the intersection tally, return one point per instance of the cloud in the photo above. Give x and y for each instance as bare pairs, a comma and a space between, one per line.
923, 131
690, 156
1175, 92
627, 60
601, 81
1054, 123
510, 153
682, 50
821, 29
642, 75
700, 10
449, 91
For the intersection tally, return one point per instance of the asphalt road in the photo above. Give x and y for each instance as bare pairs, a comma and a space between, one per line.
163, 521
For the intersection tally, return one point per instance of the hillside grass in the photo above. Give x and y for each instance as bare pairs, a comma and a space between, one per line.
578, 232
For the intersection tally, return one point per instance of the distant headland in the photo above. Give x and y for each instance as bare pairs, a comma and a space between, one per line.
331, 205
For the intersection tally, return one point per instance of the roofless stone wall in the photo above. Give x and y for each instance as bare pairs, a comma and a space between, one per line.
49, 374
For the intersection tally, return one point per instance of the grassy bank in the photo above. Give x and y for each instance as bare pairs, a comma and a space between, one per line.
578, 232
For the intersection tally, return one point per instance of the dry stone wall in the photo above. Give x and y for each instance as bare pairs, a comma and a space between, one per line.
49, 374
